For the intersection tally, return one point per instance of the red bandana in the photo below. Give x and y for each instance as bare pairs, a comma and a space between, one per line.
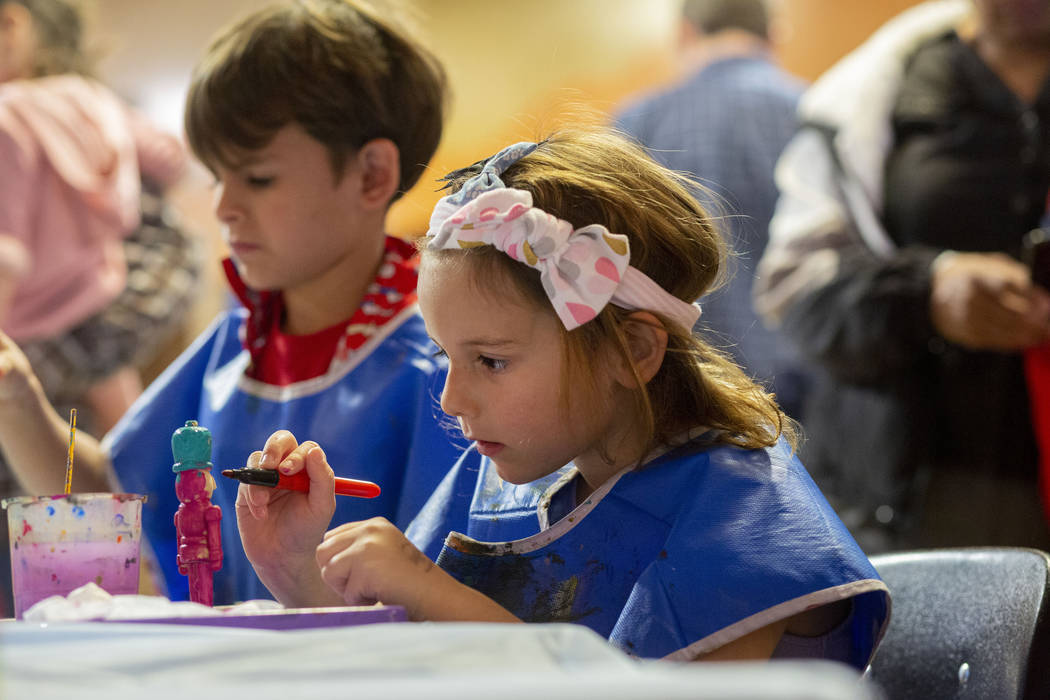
281, 359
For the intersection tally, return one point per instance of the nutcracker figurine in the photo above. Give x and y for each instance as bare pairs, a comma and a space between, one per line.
197, 521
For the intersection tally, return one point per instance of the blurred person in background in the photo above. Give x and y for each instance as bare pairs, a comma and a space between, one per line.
89, 285
894, 262
725, 123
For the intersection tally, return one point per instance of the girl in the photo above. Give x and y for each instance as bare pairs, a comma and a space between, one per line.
683, 527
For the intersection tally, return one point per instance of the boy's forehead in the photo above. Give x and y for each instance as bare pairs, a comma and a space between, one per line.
233, 157
236, 157
286, 143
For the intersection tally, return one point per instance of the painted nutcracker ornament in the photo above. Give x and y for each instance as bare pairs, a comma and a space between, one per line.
197, 522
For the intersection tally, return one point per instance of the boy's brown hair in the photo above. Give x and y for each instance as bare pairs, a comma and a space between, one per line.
598, 177
336, 68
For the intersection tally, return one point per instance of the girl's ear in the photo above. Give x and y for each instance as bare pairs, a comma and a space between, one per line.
647, 343
380, 164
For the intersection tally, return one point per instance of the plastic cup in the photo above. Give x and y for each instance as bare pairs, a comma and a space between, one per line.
59, 543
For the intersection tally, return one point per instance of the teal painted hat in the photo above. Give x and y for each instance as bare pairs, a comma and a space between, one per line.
191, 447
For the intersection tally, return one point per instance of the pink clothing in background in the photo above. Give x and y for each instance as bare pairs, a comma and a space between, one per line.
70, 158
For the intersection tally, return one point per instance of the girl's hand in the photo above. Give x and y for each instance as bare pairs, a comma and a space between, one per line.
370, 561
281, 529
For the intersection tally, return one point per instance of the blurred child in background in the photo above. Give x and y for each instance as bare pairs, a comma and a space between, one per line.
87, 288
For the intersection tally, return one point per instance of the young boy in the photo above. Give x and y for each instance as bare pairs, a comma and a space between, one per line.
314, 116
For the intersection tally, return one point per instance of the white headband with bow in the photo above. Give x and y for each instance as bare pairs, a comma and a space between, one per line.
581, 270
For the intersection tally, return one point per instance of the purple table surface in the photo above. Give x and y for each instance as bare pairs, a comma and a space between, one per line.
290, 619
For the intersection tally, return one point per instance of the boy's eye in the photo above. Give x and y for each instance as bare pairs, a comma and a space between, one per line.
256, 181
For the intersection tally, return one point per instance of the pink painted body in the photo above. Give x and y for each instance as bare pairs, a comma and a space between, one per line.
197, 523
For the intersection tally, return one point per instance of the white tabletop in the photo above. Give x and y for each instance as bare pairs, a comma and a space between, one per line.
112, 661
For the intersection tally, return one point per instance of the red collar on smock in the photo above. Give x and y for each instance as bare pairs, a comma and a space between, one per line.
280, 359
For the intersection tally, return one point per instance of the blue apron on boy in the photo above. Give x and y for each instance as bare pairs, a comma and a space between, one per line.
699, 547
376, 418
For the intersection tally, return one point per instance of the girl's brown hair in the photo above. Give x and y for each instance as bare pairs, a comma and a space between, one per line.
337, 68
595, 176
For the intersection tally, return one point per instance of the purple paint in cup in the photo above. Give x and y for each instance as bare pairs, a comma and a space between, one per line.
59, 543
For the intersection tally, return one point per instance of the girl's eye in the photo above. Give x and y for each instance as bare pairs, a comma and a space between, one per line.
259, 182
492, 363
440, 353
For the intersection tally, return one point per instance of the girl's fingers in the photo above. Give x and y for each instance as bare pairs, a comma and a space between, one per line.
339, 540
322, 478
245, 498
345, 528
338, 574
277, 447
295, 460
331, 572
258, 496
334, 542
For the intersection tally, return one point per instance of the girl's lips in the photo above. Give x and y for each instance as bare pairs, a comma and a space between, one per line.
489, 449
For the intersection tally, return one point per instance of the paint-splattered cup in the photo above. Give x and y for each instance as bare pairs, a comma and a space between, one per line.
59, 543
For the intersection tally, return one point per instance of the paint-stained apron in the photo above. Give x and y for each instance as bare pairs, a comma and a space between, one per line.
699, 547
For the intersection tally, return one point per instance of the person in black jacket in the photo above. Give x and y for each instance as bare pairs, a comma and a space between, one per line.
893, 263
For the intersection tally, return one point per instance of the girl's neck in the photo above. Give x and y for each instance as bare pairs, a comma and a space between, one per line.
615, 455
334, 296
595, 471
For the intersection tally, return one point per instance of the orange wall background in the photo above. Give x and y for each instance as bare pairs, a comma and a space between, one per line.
549, 59
516, 70
819, 32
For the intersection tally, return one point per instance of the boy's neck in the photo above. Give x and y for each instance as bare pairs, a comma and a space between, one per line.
332, 297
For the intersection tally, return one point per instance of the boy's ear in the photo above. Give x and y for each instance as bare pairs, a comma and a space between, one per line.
380, 164
647, 343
